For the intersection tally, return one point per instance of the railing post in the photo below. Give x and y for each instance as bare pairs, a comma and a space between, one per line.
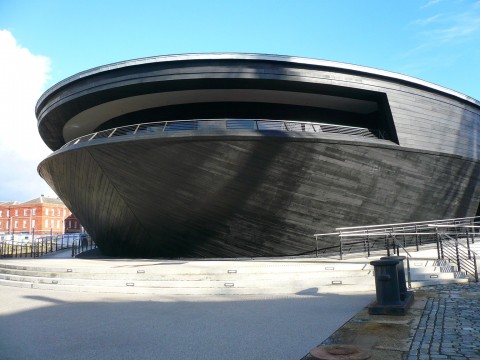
475, 267
437, 238
409, 278
416, 237
386, 245
468, 245
73, 248
341, 246
316, 246
459, 267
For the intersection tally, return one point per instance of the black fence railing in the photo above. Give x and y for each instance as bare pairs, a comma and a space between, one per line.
41, 246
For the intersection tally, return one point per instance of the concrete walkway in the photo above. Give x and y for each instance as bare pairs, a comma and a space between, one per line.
42, 324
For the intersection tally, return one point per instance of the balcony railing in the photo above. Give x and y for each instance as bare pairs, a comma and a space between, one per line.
154, 128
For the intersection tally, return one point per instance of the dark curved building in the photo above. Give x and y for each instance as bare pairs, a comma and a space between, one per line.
230, 155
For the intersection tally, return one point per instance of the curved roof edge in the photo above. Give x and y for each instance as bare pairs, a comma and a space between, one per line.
262, 57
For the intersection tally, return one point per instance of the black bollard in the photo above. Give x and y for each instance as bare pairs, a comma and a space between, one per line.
388, 289
386, 282
402, 282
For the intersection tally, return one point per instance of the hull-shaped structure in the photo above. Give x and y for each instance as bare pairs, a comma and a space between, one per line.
394, 149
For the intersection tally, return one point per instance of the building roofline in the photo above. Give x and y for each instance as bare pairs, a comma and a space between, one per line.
262, 57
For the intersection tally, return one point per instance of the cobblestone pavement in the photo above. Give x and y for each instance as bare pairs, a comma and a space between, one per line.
450, 325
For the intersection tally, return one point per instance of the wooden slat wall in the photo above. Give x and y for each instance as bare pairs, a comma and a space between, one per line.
251, 196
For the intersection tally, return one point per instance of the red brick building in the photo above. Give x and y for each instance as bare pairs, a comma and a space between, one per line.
39, 216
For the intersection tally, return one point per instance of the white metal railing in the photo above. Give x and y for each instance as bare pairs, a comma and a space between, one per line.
153, 128
446, 234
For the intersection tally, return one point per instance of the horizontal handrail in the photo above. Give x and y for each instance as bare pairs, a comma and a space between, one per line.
227, 124
445, 233
406, 224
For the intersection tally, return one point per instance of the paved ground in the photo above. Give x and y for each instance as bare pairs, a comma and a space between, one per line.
443, 323
42, 324
450, 324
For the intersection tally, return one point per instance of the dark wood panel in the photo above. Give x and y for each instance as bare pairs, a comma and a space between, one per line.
251, 197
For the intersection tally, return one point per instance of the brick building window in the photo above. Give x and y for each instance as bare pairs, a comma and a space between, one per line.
8, 212
1, 225
1, 213
33, 224
46, 211
25, 211
46, 223
16, 212
16, 224
24, 224
34, 211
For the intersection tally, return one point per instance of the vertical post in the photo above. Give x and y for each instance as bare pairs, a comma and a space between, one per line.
368, 244
341, 246
468, 245
409, 278
438, 243
459, 267
387, 245
475, 266
416, 237
316, 246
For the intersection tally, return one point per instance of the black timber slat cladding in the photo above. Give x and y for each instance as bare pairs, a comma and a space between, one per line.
226, 195
415, 110
252, 197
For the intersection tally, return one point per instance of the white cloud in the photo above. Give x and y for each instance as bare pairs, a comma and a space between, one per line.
430, 3
23, 77
454, 27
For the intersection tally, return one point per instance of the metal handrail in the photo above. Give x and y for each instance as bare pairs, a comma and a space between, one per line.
423, 231
461, 260
407, 223
227, 124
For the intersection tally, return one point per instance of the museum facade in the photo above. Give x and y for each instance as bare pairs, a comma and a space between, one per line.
242, 155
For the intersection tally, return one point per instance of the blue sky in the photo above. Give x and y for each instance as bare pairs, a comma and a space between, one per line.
435, 40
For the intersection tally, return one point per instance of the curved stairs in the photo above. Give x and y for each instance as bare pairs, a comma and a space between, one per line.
303, 276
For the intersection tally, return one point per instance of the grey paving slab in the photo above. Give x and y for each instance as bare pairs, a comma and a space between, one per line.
41, 324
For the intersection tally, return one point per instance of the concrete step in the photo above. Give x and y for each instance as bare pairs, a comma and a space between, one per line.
151, 276
202, 268
429, 282
171, 277
274, 282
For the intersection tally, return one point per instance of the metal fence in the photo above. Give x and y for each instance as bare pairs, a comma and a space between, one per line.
451, 237
153, 128
41, 246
